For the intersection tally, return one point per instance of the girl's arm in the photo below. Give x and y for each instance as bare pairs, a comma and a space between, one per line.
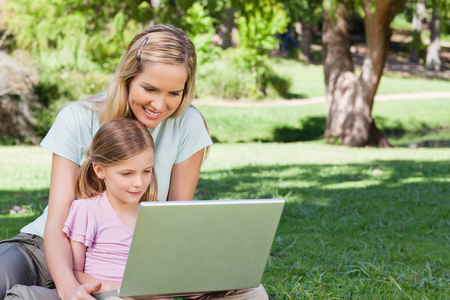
58, 252
79, 255
184, 177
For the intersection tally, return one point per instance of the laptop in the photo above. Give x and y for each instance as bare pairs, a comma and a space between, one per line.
183, 248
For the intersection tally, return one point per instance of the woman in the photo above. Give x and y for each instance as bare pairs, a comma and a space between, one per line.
154, 83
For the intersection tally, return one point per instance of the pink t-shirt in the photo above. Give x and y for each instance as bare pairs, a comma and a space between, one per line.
95, 223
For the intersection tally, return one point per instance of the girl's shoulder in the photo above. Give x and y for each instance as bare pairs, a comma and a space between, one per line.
88, 203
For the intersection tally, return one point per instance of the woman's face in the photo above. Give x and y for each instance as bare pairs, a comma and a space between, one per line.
156, 93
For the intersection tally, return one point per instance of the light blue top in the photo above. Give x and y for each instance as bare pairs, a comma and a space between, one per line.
75, 126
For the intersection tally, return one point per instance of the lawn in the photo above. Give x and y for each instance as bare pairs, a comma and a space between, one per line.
405, 121
308, 80
358, 223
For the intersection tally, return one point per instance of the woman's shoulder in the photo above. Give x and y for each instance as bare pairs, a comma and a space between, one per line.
191, 117
80, 106
77, 113
192, 112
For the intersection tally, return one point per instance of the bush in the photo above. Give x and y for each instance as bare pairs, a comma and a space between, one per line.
234, 77
56, 87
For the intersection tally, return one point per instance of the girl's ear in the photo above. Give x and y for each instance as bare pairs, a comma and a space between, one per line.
99, 170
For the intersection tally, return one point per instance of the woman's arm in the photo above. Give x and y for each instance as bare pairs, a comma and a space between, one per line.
184, 177
58, 252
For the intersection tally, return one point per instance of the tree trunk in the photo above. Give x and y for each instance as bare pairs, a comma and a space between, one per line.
433, 61
224, 37
350, 98
417, 31
306, 41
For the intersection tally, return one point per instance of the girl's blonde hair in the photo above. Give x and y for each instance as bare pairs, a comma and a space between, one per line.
156, 44
116, 141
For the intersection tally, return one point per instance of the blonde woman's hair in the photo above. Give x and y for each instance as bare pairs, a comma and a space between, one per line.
156, 44
116, 141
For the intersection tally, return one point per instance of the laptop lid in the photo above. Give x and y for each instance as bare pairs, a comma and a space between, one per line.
181, 248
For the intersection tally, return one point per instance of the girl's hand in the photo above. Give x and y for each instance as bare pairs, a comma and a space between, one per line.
84, 291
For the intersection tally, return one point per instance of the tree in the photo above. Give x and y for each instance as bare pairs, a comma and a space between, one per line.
417, 20
307, 12
433, 61
350, 98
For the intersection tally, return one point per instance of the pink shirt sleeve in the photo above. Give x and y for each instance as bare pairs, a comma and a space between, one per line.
80, 224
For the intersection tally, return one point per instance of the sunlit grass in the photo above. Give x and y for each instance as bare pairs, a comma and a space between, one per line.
308, 80
404, 121
358, 223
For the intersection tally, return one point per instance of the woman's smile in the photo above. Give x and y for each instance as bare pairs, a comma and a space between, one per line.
152, 114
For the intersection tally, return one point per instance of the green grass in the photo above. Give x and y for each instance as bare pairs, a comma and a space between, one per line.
405, 120
308, 80
358, 223
25, 180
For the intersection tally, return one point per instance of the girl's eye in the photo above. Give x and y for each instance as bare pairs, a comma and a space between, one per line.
149, 89
126, 173
147, 171
175, 94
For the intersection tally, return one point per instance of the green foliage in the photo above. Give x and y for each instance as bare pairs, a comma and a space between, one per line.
242, 72
90, 36
95, 30
201, 31
258, 23
257, 27
305, 11
222, 80
228, 78
58, 87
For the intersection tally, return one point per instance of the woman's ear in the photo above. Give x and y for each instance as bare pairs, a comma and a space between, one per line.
99, 170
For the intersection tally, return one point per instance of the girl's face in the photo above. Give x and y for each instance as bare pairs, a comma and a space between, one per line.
127, 181
156, 93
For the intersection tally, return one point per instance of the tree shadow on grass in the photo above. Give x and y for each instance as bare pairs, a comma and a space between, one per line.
296, 96
355, 224
311, 128
396, 127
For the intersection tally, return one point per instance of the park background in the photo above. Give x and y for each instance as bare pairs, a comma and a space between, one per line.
360, 222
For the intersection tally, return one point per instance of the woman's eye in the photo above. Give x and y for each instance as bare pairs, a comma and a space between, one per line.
147, 171
126, 174
175, 94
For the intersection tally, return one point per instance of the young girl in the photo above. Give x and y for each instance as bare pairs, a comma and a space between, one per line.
111, 183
